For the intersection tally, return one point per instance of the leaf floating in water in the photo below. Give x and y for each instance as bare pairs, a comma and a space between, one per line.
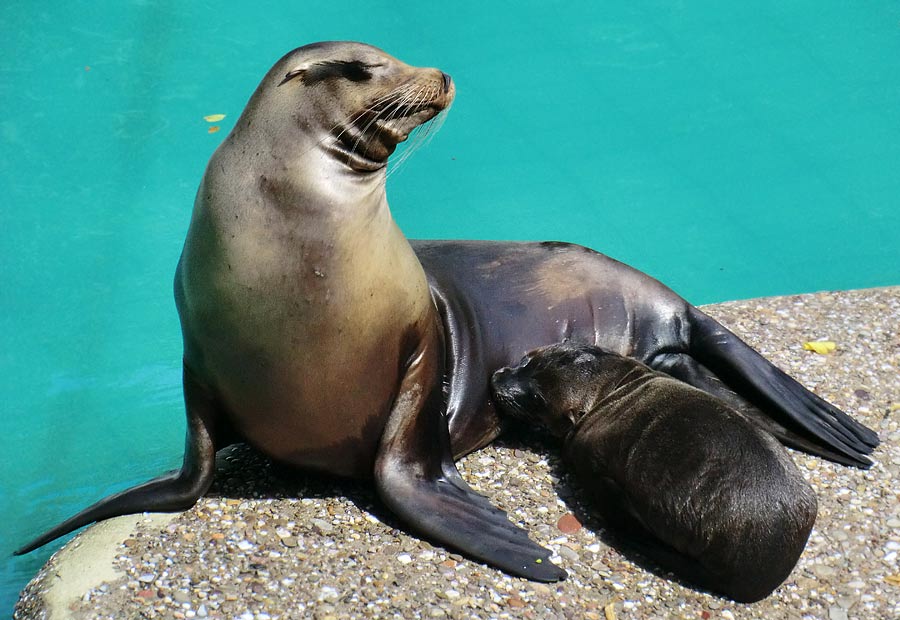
213, 118
822, 347
213, 129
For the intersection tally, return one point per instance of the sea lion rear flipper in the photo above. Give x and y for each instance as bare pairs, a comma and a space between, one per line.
416, 478
168, 493
752, 376
685, 368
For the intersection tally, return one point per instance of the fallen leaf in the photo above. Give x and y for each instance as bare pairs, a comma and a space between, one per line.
213, 129
515, 601
213, 118
610, 611
822, 347
568, 524
894, 580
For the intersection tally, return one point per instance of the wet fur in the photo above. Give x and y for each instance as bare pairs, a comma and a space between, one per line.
699, 488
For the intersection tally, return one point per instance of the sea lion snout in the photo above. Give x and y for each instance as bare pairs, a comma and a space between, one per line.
511, 392
524, 393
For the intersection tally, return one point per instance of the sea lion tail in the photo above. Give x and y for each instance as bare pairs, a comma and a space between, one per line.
171, 492
751, 375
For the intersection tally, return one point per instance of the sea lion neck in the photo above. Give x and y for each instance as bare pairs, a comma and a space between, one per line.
295, 176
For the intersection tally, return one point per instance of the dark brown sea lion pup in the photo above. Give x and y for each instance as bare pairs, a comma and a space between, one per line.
671, 464
312, 331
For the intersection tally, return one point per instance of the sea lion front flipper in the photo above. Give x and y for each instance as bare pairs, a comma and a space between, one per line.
749, 374
685, 368
416, 478
170, 492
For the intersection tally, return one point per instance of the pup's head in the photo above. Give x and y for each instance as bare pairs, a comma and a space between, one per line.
552, 386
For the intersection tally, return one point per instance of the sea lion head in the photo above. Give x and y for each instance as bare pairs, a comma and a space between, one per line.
553, 386
350, 100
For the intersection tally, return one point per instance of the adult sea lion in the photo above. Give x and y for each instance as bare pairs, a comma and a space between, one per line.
703, 490
309, 329
499, 300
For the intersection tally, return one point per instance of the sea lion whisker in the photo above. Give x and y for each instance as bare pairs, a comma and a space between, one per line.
395, 99
422, 135
413, 144
418, 134
352, 120
390, 112
432, 128
372, 107
379, 115
345, 124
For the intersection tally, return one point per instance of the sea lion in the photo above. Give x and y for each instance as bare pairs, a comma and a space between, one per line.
499, 300
671, 464
312, 331
309, 328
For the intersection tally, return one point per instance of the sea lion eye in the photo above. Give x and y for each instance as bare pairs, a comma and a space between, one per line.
536, 399
357, 71
353, 70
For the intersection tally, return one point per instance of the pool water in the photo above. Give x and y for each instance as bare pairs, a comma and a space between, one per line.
731, 151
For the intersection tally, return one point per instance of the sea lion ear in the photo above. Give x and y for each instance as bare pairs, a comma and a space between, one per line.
293, 73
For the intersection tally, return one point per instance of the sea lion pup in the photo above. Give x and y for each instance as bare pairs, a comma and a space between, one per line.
700, 488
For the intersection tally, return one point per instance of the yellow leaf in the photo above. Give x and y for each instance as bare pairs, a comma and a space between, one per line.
823, 347
213, 118
213, 129
610, 611
894, 580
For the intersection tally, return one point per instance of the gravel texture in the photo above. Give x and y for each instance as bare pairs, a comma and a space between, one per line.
271, 543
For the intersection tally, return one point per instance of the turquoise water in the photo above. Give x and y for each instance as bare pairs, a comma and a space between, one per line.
730, 151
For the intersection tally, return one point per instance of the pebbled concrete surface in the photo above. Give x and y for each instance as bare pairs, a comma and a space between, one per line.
266, 543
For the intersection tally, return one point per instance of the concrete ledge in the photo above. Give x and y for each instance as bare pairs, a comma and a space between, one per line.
85, 564
267, 543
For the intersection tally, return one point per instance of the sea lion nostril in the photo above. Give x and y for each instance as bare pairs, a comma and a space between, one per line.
447, 81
